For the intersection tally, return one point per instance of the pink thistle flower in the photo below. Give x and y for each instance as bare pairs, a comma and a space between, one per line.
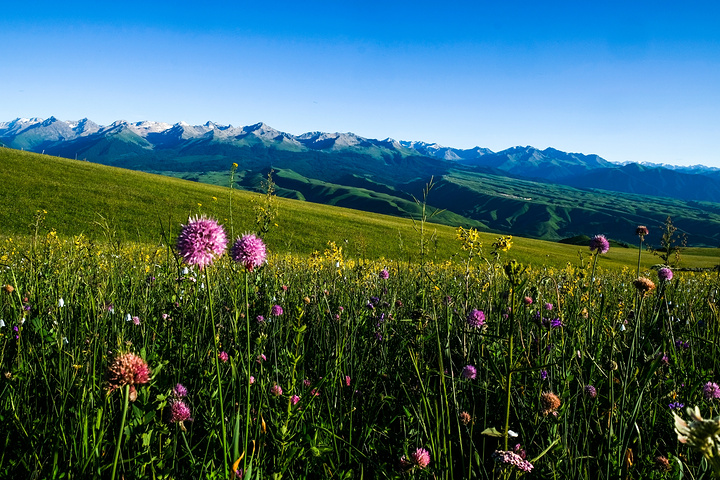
276, 311
384, 274
201, 240
249, 250
276, 390
294, 399
421, 458
223, 356
641, 231
128, 369
179, 412
599, 243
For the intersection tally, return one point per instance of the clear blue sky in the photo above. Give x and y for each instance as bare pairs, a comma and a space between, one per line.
629, 81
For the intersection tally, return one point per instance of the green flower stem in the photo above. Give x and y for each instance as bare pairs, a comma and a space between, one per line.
223, 435
126, 394
509, 397
249, 362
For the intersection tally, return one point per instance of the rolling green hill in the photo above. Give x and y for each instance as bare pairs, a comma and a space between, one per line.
81, 197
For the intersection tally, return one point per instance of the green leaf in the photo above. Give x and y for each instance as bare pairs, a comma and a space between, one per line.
492, 432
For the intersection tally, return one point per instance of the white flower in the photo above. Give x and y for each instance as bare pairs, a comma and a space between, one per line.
2, 323
512, 434
185, 271
128, 318
61, 303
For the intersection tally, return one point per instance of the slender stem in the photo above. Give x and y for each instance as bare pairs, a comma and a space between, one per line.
509, 385
249, 362
223, 435
639, 253
187, 446
126, 394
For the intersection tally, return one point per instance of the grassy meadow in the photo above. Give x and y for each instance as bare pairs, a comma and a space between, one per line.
366, 346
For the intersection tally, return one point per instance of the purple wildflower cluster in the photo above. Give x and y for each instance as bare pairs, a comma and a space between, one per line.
547, 322
676, 405
179, 410
682, 344
515, 458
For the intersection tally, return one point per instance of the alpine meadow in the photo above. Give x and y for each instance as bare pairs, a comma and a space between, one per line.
157, 327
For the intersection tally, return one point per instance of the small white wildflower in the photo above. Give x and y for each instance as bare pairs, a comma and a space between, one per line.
512, 434
185, 271
61, 303
128, 317
2, 323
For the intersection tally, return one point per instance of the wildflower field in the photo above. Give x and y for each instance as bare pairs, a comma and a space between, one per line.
209, 356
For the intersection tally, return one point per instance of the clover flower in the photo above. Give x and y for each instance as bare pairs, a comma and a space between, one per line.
249, 251
128, 369
179, 412
469, 372
384, 274
476, 318
180, 391
223, 356
421, 458
201, 240
599, 243
294, 399
711, 391
510, 458
276, 390
590, 391
276, 311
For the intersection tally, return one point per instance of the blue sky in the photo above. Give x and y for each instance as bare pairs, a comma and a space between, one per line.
629, 81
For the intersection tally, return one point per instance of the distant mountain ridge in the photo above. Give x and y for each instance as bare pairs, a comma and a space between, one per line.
540, 193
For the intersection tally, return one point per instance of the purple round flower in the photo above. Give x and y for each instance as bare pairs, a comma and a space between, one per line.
276, 311
476, 318
249, 250
543, 374
590, 391
711, 391
469, 372
179, 412
599, 243
384, 274
201, 241
665, 274
260, 319
180, 391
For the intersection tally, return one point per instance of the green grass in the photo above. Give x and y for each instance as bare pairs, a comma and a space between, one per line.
104, 203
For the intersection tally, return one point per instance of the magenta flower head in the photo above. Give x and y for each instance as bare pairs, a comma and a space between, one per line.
599, 243
294, 399
201, 241
590, 391
223, 356
421, 458
276, 311
711, 391
180, 391
476, 318
384, 274
469, 372
665, 274
249, 250
179, 412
